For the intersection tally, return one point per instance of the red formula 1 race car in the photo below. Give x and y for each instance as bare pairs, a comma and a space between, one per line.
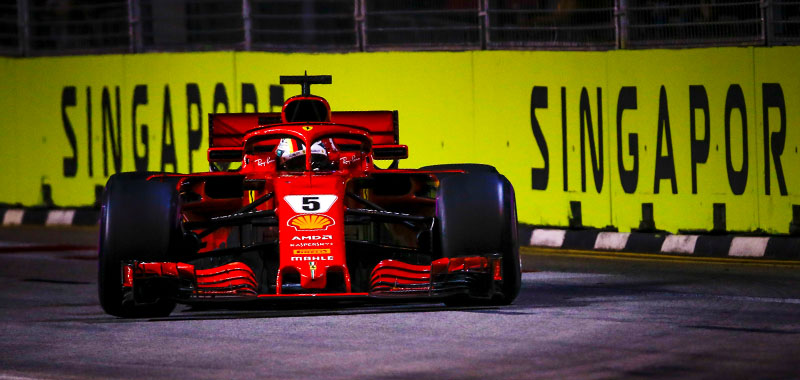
296, 208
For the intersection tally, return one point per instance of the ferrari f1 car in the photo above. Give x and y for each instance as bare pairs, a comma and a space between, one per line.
295, 206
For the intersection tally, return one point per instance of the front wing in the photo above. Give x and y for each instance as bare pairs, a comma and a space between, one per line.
476, 277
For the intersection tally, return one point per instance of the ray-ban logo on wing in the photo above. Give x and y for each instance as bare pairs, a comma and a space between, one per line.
310, 222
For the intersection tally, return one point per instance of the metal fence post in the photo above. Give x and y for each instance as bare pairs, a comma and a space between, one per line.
621, 13
483, 15
23, 28
135, 26
247, 24
360, 15
767, 22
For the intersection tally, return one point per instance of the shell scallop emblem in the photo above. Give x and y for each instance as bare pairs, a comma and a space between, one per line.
310, 222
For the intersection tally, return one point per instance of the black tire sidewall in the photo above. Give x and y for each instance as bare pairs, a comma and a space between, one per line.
139, 220
476, 219
512, 271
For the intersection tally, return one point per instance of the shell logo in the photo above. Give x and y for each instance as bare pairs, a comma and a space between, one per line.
310, 222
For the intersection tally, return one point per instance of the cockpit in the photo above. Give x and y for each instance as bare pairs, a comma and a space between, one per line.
290, 153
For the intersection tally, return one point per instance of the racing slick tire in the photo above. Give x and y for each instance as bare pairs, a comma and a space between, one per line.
139, 220
476, 219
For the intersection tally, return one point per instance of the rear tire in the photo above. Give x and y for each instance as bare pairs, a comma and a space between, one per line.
139, 220
477, 216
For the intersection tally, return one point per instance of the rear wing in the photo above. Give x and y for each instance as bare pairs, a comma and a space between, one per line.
228, 129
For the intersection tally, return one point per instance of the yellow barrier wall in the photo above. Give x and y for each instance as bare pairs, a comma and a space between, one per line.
669, 87
777, 72
671, 139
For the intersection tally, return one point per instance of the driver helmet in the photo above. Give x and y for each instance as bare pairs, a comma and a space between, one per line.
293, 150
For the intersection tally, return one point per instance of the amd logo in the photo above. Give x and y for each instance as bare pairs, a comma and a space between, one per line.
313, 237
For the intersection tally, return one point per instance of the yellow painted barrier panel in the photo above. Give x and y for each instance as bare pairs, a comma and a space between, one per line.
170, 97
9, 149
74, 102
51, 138
540, 113
81, 119
673, 140
686, 118
681, 130
777, 127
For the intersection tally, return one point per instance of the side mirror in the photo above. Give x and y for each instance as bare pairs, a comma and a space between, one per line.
389, 152
226, 154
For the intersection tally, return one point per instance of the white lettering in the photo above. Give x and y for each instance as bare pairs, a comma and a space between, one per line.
261, 162
310, 258
305, 204
311, 244
347, 160
313, 237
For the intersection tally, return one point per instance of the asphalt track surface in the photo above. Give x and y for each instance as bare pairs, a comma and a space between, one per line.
579, 316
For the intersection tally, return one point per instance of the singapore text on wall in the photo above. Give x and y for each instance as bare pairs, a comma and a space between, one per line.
673, 140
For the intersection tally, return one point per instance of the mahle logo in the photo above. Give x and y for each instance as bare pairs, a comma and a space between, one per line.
312, 258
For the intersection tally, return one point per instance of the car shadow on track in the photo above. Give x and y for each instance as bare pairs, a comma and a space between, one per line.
531, 299
295, 311
526, 303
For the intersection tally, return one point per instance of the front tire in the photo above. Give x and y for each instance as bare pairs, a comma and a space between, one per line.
139, 220
477, 215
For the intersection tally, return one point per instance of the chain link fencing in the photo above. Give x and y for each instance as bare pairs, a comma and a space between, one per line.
289, 25
48, 27
690, 23
9, 37
58, 27
187, 25
551, 24
784, 28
